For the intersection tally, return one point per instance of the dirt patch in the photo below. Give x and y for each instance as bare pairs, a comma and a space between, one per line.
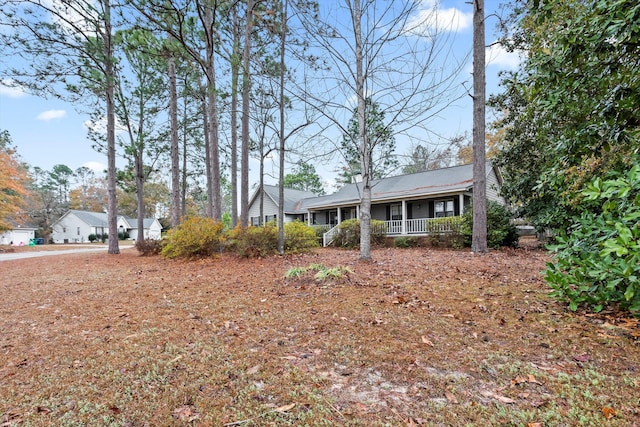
416, 337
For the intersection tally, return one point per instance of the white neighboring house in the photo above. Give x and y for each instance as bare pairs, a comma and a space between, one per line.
75, 226
19, 235
152, 228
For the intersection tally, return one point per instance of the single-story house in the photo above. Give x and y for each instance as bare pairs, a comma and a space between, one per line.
19, 235
75, 226
152, 227
405, 203
292, 205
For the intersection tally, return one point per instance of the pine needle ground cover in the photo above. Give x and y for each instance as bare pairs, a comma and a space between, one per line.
416, 337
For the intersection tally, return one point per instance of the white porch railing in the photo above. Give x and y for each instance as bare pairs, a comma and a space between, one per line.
327, 237
419, 226
424, 225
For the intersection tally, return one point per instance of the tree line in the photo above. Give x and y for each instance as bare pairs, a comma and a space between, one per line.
195, 86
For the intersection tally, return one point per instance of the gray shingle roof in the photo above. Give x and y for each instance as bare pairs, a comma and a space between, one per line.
292, 198
94, 219
430, 183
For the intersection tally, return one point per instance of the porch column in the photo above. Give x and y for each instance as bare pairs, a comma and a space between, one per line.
358, 212
339, 215
461, 197
404, 217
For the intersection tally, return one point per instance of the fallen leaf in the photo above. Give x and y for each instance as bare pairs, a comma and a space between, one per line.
531, 379
253, 370
285, 408
608, 412
498, 397
534, 425
185, 413
581, 358
451, 398
427, 341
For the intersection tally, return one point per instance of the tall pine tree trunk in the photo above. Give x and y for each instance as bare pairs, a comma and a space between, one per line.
175, 155
246, 92
215, 198
235, 71
283, 39
479, 233
112, 204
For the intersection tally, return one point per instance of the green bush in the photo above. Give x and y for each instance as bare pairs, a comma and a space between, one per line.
195, 237
92, 238
253, 242
597, 261
348, 233
299, 237
149, 247
450, 224
500, 230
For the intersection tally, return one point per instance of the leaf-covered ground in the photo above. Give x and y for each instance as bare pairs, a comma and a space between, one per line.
416, 337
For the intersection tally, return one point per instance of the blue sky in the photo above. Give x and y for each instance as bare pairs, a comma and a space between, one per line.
47, 132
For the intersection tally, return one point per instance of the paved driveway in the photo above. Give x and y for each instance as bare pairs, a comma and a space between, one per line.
22, 255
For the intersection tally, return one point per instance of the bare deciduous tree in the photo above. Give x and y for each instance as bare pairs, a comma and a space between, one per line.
392, 53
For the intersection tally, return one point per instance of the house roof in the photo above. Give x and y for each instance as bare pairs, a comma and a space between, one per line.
292, 198
18, 225
453, 179
100, 219
133, 222
94, 219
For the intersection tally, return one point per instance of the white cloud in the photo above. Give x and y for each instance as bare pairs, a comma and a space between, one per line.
11, 89
434, 17
496, 54
51, 115
96, 166
100, 126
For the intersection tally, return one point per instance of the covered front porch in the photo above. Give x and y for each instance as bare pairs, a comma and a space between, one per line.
419, 217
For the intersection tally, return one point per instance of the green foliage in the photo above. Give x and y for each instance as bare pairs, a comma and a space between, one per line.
254, 242
348, 233
195, 237
299, 237
381, 142
597, 262
322, 273
149, 247
453, 224
92, 238
500, 230
304, 177
571, 109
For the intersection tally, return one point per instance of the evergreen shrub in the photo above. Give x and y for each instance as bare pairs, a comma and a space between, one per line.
299, 237
597, 260
195, 237
500, 230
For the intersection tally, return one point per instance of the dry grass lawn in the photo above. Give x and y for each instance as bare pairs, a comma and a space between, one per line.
416, 337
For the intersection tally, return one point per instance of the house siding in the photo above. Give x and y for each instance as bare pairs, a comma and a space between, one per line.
493, 188
71, 229
269, 208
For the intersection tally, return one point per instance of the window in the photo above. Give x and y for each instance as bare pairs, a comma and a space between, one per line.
396, 212
268, 218
444, 208
64, 229
78, 231
255, 221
